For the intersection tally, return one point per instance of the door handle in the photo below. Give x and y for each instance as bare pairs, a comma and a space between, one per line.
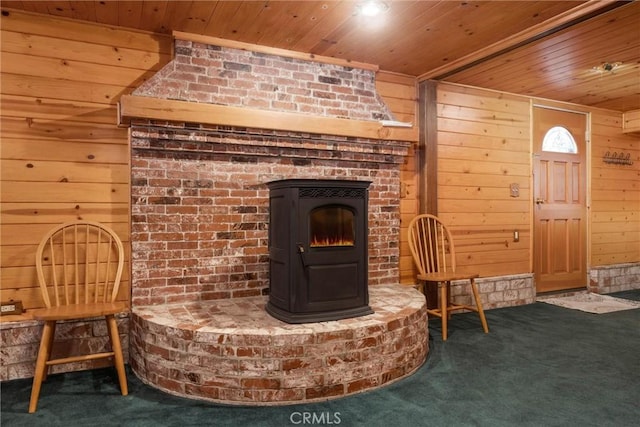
303, 257
539, 201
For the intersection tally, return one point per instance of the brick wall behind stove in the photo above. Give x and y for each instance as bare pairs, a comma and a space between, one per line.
200, 213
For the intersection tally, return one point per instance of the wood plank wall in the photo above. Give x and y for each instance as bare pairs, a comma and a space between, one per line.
615, 192
400, 93
62, 155
483, 148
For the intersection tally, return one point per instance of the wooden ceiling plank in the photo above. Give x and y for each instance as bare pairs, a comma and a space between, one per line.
472, 19
561, 61
469, 34
583, 39
220, 19
337, 14
107, 12
152, 16
242, 24
21, 5
355, 36
602, 84
298, 17
59, 8
522, 36
565, 64
175, 13
438, 21
269, 19
129, 13
199, 17
563, 71
83, 10
37, 6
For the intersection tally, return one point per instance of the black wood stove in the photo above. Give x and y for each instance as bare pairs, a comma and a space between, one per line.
318, 250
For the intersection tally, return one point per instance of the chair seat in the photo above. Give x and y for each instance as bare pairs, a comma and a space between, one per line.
79, 311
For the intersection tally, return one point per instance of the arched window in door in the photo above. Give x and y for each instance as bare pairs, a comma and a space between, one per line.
559, 140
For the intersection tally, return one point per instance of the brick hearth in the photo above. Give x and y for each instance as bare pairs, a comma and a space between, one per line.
232, 351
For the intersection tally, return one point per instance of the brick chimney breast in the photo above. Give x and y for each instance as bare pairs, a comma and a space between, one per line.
241, 78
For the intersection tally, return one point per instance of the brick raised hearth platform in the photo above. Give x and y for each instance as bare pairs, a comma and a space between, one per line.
231, 351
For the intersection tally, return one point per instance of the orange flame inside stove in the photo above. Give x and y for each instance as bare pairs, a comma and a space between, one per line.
319, 242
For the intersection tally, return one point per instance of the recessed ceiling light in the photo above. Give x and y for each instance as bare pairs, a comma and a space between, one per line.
371, 8
607, 67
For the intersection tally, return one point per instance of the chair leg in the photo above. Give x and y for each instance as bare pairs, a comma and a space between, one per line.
476, 296
112, 326
44, 352
444, 305
52, 336
448, 285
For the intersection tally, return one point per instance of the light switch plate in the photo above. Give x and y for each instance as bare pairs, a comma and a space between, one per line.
515, 189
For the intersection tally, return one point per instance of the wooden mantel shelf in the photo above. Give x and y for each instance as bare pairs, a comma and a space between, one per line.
133, 106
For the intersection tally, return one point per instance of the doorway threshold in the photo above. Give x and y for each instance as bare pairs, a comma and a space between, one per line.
561, 293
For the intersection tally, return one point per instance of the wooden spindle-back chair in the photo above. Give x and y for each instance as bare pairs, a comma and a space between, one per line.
79, 266
434, 256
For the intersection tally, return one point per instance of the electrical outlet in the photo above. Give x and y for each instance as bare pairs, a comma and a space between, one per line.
11, 307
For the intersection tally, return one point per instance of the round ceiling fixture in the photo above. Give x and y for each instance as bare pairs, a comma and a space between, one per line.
371, 8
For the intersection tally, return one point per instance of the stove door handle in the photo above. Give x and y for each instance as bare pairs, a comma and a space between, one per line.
303, 258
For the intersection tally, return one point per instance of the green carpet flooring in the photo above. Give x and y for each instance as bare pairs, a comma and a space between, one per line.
540, 365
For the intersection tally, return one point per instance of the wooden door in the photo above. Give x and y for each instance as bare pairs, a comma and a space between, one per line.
559, 151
